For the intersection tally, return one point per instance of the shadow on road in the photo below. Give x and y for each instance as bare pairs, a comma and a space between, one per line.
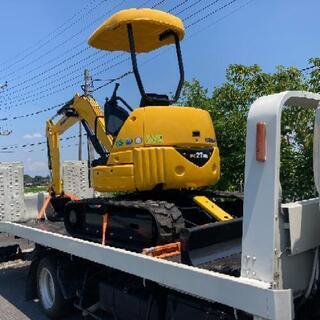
13, 305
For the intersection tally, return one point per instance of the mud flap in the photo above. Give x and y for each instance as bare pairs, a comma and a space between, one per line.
10, 253
210, 242
31, 283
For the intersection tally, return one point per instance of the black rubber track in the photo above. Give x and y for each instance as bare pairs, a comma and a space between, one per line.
168, 217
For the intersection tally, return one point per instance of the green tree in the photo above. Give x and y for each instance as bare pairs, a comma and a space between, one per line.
229, 104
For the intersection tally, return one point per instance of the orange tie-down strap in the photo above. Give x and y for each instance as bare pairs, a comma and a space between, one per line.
43, 208
163, 251
105, 221
72, 196
47, 201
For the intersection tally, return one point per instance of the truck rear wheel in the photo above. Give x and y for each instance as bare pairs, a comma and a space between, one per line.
49, 293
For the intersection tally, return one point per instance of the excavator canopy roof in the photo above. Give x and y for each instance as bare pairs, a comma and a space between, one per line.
147, 24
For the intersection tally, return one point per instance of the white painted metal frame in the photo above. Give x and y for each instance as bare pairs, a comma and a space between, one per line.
252, 296
316, 150
256, 291
260, 243
303, 225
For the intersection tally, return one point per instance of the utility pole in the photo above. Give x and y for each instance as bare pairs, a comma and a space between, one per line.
87, 87
87, 90
4, 132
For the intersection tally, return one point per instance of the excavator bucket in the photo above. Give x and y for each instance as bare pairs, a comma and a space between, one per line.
210, 243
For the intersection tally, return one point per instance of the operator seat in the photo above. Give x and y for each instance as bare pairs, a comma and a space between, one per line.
154, 99
115, 117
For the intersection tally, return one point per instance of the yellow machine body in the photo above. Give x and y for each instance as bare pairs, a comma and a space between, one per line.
149, 150
158, 146
145, 154
153, 147
148, 24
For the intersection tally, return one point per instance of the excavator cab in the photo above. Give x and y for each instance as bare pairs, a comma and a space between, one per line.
138, 31
147, 147
152, 145
115, 115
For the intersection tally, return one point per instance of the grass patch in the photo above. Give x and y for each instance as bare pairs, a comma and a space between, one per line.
35, 189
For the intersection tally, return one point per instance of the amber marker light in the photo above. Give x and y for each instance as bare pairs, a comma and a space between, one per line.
261, 137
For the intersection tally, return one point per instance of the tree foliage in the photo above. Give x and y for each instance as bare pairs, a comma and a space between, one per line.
229, 104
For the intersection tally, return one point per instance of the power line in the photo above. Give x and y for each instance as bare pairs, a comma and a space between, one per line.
32, 113
50, 34
201, 10
86, 27
45, 149
158, 4
178, 5
39, 93
51, 92
66, 40
210, 14
46, 40
306, 69
27, 145
3, 86
49, 69
62, 62
112, 80
76, 77
36, 113
6, 98
220, 19
188, 7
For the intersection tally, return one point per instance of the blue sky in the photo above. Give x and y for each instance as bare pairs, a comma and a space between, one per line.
43, 50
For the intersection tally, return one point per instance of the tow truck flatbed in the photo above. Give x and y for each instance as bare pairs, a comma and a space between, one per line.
279, 249
259, 300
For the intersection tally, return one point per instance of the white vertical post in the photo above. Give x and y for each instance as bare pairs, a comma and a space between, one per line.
260, 244
316, 150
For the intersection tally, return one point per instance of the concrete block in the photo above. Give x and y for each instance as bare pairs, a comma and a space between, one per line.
76, 178
12, 207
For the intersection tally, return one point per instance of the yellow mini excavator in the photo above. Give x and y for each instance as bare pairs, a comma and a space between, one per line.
153, 156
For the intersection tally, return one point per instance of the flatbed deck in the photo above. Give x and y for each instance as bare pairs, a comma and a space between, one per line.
229, 265
260, 299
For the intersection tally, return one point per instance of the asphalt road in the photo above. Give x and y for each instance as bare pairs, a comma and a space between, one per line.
13, 275
12, 295
12, 303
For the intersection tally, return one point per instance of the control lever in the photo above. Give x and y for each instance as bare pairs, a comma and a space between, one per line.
114, 94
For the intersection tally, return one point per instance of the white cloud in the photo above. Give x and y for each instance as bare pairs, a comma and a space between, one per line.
36, 167
35, 135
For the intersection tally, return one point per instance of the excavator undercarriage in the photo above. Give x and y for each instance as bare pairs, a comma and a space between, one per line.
158, 221
132, 225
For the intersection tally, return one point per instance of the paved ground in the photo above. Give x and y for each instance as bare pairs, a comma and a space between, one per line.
12, 290
12, 303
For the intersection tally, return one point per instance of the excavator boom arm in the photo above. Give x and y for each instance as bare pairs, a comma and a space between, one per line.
80, 109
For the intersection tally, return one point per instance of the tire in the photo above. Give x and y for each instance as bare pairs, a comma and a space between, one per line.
50, 296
